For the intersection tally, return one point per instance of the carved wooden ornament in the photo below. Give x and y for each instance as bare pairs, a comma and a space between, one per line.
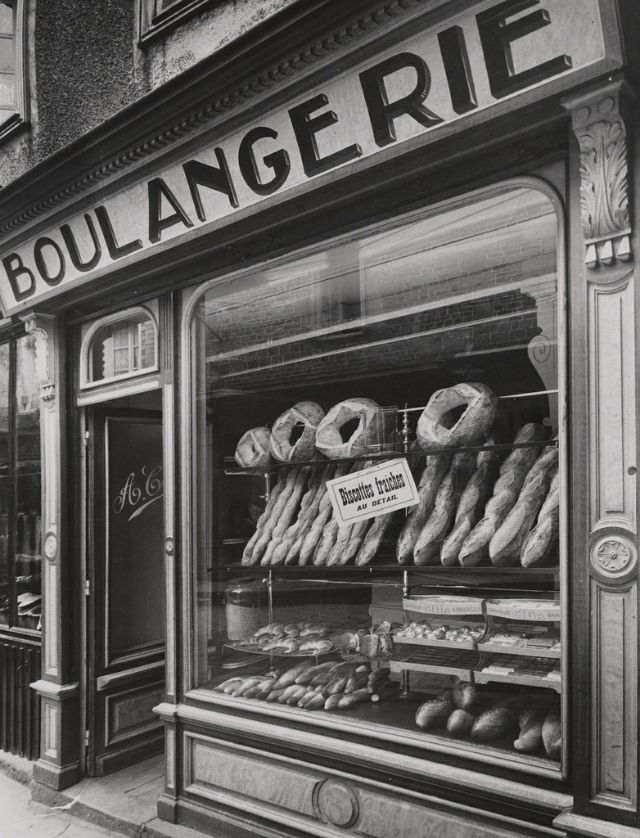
602, 136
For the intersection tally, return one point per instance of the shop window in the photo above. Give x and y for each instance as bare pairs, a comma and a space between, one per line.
121, 346
20, 487
13, 103
441, 624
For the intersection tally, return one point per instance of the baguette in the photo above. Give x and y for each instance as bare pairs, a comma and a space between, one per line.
543, 538
262, 520
281, 502
472, 502
325, 545
427, 546
513, 471
373, 539
287, 514
281, 550
434, 473
506, 545
354, 544
315, 531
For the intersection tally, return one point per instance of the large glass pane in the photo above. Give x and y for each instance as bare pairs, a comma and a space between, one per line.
5, 484
27, 566
438, 339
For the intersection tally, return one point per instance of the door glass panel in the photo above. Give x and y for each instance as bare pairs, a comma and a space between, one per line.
134, 537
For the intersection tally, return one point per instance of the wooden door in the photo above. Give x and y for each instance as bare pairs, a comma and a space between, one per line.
125, 587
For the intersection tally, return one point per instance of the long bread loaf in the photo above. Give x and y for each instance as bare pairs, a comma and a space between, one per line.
280, 550
542, 541
513, 472
373, 539
506, 544
287, 514
315, 530
434, 473
247, 555
281, 502
356, 539
438, 525
472, 502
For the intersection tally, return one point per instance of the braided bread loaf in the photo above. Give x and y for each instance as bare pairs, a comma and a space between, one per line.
472, 501
543, 538
434, 473
427, 546
506, 544
513, 471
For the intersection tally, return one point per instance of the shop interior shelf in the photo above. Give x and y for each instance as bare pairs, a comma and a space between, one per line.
516, 671
256, 650
435, 644
533, 652
231, 468
439, 661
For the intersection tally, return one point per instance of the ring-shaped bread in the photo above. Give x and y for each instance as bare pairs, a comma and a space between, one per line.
252, 451
304, 416
370, 430
479, 414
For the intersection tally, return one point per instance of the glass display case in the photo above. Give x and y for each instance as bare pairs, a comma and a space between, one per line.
434, 340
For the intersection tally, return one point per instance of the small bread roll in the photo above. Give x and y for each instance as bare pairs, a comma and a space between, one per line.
252, 451
303, 416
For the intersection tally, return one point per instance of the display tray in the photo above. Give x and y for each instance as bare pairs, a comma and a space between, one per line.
526, 651
438, 661
436, 644
513, 670
256, 650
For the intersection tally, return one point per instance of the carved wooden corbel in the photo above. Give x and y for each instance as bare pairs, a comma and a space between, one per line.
40, 326
599, 126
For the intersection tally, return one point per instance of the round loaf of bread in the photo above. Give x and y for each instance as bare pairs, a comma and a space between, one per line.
478, 416
293, 435
252, 451
368, 432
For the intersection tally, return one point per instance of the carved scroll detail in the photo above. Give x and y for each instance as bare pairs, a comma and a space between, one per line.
602, 136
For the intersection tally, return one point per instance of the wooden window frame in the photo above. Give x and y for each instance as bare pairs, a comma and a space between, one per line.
155, 20
20, 115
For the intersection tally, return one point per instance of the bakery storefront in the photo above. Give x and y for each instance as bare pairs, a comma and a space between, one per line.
352, 426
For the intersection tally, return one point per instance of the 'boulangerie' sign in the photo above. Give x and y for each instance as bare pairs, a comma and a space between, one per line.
373, 491
458, 67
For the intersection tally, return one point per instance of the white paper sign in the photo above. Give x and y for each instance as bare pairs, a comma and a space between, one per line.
373, 491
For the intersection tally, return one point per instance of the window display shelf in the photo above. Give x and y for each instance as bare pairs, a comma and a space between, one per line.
469, 645
538, 672
533, 652
231, 469
437, 661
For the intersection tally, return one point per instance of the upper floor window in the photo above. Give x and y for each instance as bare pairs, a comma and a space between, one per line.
13, 99
158, 15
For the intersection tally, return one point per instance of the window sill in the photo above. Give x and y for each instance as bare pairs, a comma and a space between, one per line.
165, 21
11, 126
